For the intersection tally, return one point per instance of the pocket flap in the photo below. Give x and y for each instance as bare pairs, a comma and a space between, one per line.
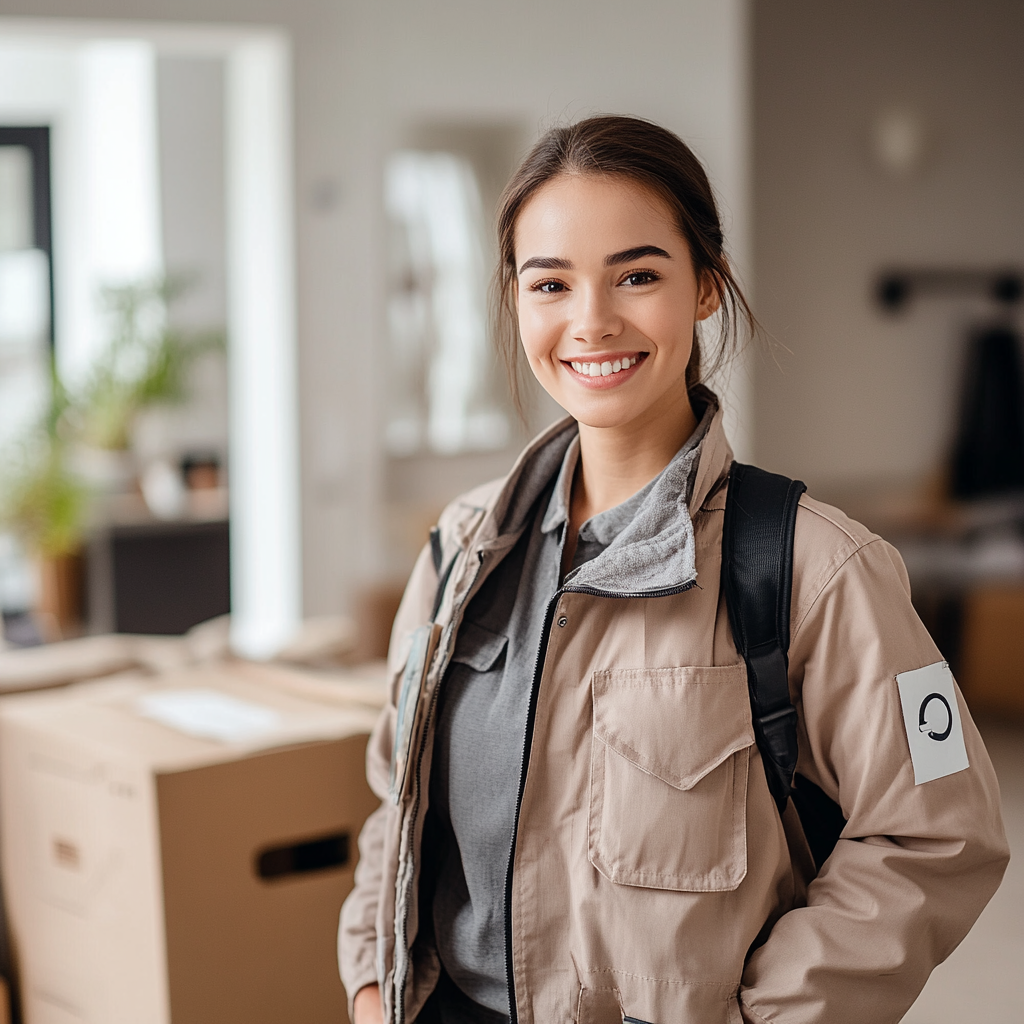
676, 724
477, 647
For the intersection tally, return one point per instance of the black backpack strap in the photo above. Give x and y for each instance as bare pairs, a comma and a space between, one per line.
757, 577
821, 817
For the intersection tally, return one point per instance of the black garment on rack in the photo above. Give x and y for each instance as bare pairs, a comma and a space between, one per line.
989, 455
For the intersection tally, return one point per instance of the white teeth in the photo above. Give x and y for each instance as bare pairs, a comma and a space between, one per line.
604, 369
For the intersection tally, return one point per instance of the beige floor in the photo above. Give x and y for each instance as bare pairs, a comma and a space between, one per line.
983, 981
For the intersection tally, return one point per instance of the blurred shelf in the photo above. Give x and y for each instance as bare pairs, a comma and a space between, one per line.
200, 506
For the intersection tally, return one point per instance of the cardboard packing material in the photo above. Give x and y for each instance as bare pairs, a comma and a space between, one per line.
178, 849
94, 657
36, 668
324, 643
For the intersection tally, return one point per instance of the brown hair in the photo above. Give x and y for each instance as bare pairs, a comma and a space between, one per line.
651, 157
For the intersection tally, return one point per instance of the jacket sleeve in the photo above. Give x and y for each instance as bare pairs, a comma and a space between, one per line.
916, 864
357, 932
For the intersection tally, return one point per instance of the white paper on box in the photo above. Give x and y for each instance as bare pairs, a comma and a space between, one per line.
932, 719
209, 714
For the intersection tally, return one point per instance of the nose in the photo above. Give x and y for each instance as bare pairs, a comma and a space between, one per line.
595, 318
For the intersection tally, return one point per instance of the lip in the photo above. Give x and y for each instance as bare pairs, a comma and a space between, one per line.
613, 380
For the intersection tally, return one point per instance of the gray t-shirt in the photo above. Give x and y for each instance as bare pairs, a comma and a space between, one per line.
480, 738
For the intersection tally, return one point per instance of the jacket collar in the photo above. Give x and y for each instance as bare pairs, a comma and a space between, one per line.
510, 508
650, 547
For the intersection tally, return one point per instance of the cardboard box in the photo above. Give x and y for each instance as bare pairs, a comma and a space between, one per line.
992, 653
178, 850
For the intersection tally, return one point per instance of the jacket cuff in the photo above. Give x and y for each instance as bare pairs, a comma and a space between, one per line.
355, 984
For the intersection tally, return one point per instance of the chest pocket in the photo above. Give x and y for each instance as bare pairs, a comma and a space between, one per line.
668, 785
479, 648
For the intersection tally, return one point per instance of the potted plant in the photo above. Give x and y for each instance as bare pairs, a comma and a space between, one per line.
44, 503
145, 362
49, 477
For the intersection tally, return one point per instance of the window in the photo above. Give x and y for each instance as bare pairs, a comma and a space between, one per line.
26, 331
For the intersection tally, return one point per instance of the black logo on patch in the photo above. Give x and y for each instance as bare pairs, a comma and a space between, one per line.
923, 714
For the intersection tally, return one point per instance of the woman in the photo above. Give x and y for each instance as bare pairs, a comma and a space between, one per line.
575, 822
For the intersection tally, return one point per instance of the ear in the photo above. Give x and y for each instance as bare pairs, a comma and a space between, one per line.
708, 298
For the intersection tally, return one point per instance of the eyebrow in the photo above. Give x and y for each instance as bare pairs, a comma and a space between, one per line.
546, 263
615, 259
638, 253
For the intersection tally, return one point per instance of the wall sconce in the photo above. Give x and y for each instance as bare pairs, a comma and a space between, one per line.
899, 142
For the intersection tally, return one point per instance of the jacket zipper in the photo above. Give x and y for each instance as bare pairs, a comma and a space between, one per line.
527, 744
400, 995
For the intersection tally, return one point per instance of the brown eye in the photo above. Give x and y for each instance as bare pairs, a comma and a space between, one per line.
640, 277
549, 287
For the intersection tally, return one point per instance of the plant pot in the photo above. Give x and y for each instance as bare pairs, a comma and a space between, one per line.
60, 604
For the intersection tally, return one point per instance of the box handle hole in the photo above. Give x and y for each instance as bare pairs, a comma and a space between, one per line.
303, 857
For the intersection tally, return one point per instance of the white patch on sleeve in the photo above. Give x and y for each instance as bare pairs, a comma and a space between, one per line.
932, 718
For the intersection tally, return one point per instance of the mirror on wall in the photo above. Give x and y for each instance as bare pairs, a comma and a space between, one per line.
448, 421
442, 396
445, 394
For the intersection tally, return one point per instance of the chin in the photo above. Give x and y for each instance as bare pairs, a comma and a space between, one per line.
602, 414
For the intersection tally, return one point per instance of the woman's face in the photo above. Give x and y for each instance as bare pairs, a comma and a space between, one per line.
607, 300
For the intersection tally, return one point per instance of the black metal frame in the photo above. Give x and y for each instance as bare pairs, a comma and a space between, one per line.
894, 288
36, 139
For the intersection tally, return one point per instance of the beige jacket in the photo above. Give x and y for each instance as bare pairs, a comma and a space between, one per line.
652, 877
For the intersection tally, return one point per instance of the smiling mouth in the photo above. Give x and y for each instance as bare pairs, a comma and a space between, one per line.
607, 367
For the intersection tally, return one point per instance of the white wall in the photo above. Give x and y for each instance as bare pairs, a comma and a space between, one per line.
861, 396
363, 73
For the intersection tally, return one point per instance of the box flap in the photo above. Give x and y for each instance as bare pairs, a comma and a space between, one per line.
188, 718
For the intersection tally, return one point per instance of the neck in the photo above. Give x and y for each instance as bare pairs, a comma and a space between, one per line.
615, 462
